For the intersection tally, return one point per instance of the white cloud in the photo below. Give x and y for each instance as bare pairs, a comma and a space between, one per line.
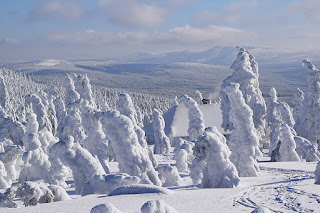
132, 12
179, 36
232, 14
56, 9
308, 9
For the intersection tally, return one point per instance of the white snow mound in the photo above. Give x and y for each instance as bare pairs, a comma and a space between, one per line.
140, 189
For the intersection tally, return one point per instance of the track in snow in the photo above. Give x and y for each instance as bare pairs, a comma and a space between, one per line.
281, 196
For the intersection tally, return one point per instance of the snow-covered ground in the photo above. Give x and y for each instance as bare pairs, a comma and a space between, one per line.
281, 187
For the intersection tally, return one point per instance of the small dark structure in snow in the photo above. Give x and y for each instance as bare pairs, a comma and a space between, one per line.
206, 101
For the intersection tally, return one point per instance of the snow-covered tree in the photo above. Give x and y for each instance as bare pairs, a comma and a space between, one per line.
196, 122
10, 129
36, 164
169, 175
95, 142
219, 171
311, 112
162, 142
83, 165
132, 157
71, 94
182, 160
298, 110
83, 87
246, 74
286, 146
243, 141
199, 97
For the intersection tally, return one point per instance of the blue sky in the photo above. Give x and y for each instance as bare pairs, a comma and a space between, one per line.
74, 29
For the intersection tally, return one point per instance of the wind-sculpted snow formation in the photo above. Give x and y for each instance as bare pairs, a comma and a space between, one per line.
105, 208
161, 141
219, 171
243, 141
196, 123
155, 206
132, 157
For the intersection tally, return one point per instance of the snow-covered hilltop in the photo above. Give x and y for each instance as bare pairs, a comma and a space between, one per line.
78, 147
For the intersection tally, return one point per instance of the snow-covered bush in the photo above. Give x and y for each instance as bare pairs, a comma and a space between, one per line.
182, 161
169, 175
83, 165
306, 150
243, 141
104, 184
162, 142
219, 171
246, 75
285, 149
140, 189
136, 160
32, 193
157, 206
59, 193
105, 208
196, 122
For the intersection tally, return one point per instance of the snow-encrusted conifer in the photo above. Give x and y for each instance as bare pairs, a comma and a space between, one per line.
243, 141
83, 165
286, 145
246, 75
95, 142
36, 164
71, 94
162, 142
311, 129
199, 97
83, 87
219, 171
169, 175
298, 110
136, 160
182, 160
196, 122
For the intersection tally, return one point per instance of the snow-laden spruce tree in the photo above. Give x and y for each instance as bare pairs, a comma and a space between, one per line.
196, 122
181, 158
11, 155
311, 129
36, 165
4, 96
305, 149
71, 94
199, 97
10, 129
39, 109
286, 146
243, 141
58, 170
132, 157
298, 110
82, 164
95, 142
125, 107
219, 171
161, 141
83, 87
246, 74
277, 114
